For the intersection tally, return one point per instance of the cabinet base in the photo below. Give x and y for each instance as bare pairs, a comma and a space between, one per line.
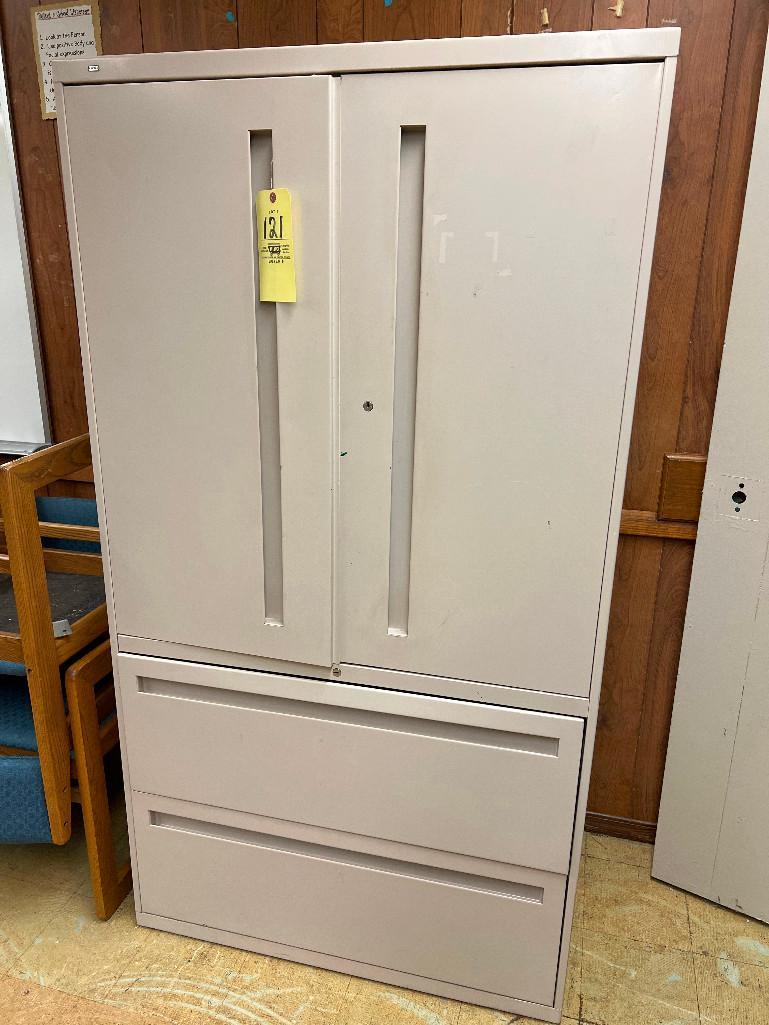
356, 968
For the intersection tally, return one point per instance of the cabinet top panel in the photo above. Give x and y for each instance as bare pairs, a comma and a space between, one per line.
409, 55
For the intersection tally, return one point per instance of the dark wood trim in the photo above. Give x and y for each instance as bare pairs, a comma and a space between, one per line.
479, 17
719, 252
414, 19
625, 829
706, 31
683, 478
640, 523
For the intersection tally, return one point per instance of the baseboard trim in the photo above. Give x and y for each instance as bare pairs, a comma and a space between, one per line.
625, 829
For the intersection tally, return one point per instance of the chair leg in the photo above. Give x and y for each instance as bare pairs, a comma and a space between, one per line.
110, 881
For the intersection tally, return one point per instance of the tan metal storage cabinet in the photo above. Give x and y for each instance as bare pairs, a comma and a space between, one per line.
360, 547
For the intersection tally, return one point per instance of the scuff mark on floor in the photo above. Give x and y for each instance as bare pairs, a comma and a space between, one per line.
752, 946
431, 1017
630, 972
729, 970
217, 1003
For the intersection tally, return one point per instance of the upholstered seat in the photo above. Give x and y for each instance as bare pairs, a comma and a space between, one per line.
23, 814
16, 726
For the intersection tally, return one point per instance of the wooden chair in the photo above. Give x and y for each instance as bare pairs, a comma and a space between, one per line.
86, 724
93, 723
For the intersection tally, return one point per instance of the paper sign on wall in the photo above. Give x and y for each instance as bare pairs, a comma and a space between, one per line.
62, 30
277, 274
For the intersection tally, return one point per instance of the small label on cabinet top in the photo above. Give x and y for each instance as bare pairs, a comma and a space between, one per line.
277, 275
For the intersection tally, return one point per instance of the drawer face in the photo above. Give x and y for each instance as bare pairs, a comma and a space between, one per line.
490, 782
498, 935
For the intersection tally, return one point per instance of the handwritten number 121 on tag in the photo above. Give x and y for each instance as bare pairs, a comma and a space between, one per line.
277, 271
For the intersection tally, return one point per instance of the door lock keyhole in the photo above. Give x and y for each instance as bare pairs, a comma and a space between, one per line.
368, 406
739, 497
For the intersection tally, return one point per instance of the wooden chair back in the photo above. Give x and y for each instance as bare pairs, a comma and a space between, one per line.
36, 646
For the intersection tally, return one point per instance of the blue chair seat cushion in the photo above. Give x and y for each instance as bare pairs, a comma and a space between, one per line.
23, 813
16, 726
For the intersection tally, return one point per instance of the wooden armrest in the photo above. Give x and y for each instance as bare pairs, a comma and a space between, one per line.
51, 464
93, 666
91, 670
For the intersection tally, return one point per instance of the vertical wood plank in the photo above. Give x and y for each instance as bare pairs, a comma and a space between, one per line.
564, 15
487, 17
633, 14
121, 27
188, 25
680, 234
340, 21
43, 202
738, 119
411, 19
627, 653
277, 22
660, 678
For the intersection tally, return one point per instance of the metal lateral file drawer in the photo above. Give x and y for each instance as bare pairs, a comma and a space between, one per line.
440, 917
479, 780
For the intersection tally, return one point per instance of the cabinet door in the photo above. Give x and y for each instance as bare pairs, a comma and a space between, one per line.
212, 410
491, 232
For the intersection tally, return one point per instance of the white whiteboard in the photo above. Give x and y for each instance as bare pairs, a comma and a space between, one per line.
23, 412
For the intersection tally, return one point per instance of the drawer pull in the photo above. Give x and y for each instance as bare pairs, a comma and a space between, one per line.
355, 859
437, 730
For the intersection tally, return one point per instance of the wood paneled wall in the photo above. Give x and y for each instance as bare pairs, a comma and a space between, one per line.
705, 177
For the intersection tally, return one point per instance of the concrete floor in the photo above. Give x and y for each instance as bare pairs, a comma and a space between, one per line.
641, 954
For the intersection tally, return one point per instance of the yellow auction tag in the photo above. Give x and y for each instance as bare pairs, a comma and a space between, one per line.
277, 273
